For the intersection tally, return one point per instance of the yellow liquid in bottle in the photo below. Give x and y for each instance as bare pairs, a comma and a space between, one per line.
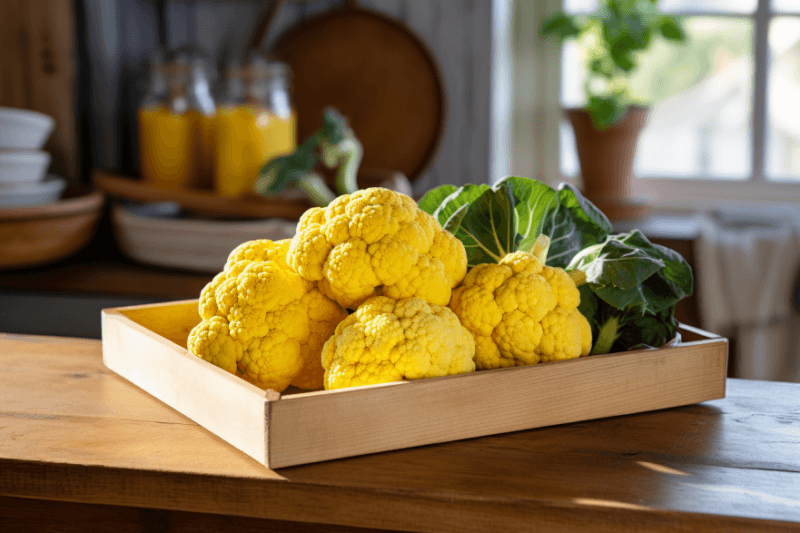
176, 151
246, 139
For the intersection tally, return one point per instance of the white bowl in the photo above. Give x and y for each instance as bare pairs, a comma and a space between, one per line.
18, 166
25, 129
32, 193
188, 244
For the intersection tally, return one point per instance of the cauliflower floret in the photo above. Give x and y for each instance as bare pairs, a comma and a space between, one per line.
377, 241
263, 322
521, 312
388, 340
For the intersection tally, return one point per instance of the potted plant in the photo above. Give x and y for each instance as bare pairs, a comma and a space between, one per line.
607, 128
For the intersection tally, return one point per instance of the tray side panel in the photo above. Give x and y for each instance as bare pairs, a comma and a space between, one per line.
344, 423
227, 406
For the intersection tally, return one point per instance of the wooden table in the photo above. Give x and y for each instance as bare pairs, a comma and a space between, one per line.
81, 449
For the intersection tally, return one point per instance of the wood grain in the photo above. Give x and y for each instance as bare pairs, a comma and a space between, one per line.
79, 202
377, 73
15, 91
24, 243
720, 466
319, 426
91, 518
200, 201
217, 400
49, 232
37, 66
51, 27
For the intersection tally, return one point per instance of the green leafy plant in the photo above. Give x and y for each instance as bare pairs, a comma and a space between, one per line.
334, 145
494, 221
631, 285
636, 285
613, 36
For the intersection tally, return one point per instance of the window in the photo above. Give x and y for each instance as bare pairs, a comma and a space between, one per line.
725, 107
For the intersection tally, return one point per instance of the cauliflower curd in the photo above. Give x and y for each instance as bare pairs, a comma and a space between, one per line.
521, 312
263, 322
388, 340
377, 242
276, 314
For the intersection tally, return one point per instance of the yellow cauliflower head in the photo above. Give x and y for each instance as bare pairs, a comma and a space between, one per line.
521, 312
377, 242
392, 340
263, 322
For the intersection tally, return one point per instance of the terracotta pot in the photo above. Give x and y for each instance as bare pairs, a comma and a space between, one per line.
606, 157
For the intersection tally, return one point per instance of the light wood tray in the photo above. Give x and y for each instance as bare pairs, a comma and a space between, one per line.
147, 345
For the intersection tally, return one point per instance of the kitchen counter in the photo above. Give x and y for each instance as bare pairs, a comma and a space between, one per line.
82, 449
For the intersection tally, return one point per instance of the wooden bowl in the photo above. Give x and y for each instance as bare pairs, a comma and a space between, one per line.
49, 232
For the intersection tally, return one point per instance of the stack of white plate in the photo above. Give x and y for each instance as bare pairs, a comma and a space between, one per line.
24, 180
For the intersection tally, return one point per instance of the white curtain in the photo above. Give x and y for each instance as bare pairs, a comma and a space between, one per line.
747, 262
536, 110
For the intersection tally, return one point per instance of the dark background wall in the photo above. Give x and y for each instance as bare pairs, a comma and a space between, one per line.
117, 38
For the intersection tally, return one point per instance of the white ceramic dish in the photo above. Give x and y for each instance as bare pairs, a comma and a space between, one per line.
32, 193
24, 129
188, 244
22, 166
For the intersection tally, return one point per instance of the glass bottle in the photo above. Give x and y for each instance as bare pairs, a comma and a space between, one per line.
255, 123
176, 128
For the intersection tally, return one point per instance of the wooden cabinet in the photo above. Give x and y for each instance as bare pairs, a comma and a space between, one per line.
38, 71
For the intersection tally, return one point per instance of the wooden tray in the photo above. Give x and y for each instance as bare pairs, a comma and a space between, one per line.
250, 206
146, 345
201, 201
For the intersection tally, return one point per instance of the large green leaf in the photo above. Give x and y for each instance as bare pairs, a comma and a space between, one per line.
489, 228
572, 225
534, 201
454, 222
512, 214
614, 263
628, 271
588, 308
435, 198
568, 219
673, 282
443, 202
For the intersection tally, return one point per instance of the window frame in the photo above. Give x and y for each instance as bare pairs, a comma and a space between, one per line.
708, 193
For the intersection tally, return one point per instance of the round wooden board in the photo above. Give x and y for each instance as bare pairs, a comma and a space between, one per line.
378, 74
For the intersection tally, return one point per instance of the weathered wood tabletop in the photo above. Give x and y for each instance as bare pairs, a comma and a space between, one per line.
81, 449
